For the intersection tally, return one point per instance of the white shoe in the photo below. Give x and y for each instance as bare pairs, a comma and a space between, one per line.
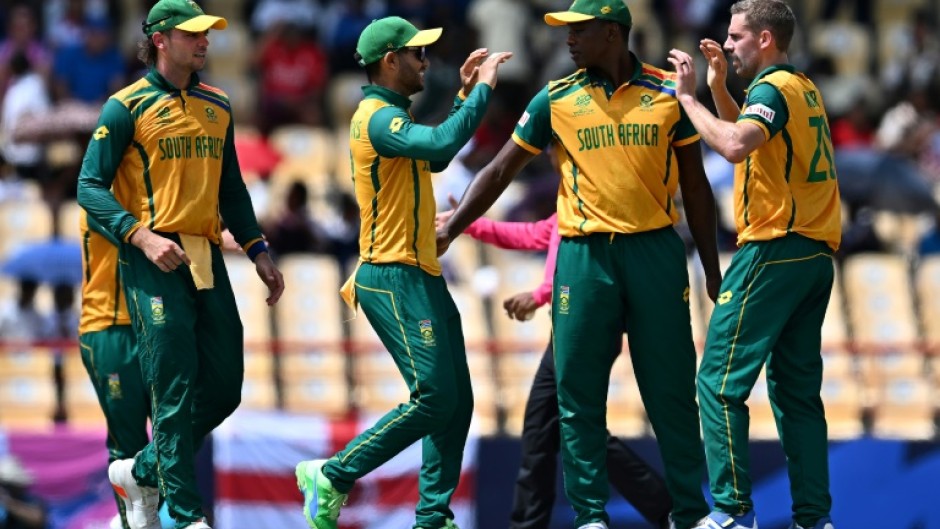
199, 524
594, 525
116, 522
141, 503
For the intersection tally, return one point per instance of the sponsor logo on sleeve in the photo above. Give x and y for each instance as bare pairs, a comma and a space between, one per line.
101, 133
524, 119
760, 110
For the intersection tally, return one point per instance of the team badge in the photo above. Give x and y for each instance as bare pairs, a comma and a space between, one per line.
427, 332
724, 297
395, 125
195, 7
646, 102
114, 386
156, 310
163, 115
563, 299
210, 115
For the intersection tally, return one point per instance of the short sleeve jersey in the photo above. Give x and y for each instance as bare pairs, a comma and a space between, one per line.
103, 303
788, 184
615, 147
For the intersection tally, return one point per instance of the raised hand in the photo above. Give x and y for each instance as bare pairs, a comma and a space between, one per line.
685, 73
717, 63
470, 70
488, 68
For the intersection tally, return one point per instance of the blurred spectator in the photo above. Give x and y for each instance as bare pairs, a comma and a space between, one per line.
507, 31
20, 320
854, 129
62, 324
22, 37
269, 13
915, 65
91, 71
343, 24
293, 73
65, 19
342, 228
862, 10
930, 242
294, 230
26, 95
18, 508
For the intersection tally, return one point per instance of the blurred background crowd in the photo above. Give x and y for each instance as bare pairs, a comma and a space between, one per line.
287, 66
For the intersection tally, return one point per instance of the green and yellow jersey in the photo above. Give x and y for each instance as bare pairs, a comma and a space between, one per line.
788, 184
103, 303
164, 158
392, 161
615, 146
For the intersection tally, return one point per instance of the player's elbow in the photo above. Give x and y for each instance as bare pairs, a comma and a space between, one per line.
736, 153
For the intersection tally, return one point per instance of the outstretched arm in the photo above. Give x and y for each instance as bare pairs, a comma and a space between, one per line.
483, 191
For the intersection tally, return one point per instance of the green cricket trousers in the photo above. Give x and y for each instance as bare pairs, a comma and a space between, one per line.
417, 321
110, 357
191, 356
605, 283
770, 311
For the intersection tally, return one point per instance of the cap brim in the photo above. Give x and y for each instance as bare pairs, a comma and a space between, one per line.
563, 18
202, 23
425, 37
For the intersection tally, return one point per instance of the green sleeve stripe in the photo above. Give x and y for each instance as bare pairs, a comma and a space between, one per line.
575, 173
211, 94
417, 193
376, 186
566, 91
573, 79
147, 181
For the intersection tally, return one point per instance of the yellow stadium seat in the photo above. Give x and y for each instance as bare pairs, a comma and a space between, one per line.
878, 298
26, 401
380, 393
304, 146
310, 310
81, 404
22, 223
905, 409
472, 317
519, 273
329, 396
67, 222
250, 297
927, 282
834, 329
258, 393
626, 415
846, 42
844, 402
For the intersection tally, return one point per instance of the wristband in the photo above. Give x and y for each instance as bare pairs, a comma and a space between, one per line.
255, 249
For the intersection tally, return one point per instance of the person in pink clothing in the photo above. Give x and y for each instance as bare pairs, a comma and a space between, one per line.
534, 493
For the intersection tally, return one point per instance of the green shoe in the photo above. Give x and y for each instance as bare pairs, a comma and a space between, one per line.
321, 501
449, 524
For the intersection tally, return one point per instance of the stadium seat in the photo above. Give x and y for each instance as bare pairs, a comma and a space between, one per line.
26, 401
515, 372
305, 147
878, 298
22, 223
698, 298
846, 42
927, 284
310, 310
329, 396
519, 273
231, 51
844, 402
763, 424
905, 408
67, 222
251, 294
472, 317
834, 329
81, 404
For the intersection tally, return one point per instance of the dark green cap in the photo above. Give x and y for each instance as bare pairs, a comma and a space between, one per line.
180, 14
583, 10
391, 34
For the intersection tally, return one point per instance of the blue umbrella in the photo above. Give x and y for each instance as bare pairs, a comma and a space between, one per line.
55, 262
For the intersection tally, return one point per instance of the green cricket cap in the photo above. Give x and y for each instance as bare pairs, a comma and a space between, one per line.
180, 14
583, 10
391, 34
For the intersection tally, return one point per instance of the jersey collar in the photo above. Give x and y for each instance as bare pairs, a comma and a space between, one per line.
160, 82
769, 70
599, 80
392, 97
